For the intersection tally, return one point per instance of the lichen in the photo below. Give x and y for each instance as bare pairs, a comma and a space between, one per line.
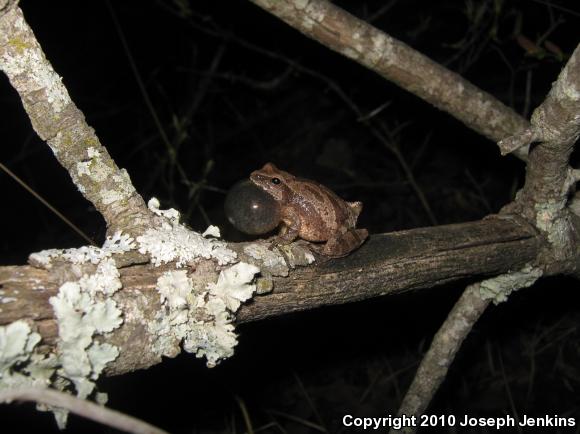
83, 309
19, 365
198, 317
16, 344
173, 242
118, 243
272, 261
4, 300
25, 58
233, 285
500, 287
211, 231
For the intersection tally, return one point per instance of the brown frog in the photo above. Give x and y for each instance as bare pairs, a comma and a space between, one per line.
312, 212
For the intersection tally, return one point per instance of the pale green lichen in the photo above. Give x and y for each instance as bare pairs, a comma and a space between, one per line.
116, 244
233, 285
4, 300
173, 242
16, 344
19, 365
211, 231
175, 289
82, 310
500, 287
27, 66
200, 317
81, 314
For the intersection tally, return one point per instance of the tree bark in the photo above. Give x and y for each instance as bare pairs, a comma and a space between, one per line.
397, 62
386, 264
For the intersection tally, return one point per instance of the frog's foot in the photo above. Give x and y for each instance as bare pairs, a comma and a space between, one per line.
356, 207
343, 244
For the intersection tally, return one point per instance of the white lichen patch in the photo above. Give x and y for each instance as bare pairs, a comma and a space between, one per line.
123, 186
314, 10
382, 48
500, 287
301, 4
175, 289
118, 243
5, 300
19, 365
350, 52
233, 285
211, 231
170, 214
173, 242
83, 168
200, 318
110, 196
26, 66
270, 260
82, 310
93, 152
16, 344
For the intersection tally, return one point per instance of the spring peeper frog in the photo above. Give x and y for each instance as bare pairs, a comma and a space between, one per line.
312, 212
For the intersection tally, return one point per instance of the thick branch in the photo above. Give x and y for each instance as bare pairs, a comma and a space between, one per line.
556, 123
399, 63
549, 178
543, 201
402, 261
386, 264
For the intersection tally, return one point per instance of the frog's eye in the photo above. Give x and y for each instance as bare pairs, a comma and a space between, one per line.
276, 181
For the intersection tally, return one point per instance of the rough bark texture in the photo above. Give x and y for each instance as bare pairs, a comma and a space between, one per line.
544, 202
402, 261
399, 63
58, 121
549, 178
386, 264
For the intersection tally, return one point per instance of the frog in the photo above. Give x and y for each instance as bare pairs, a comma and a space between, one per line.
312, 212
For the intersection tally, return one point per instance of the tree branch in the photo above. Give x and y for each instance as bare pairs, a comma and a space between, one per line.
81, 407
58, 121
386, 264
442, 352
397, 62
543, 201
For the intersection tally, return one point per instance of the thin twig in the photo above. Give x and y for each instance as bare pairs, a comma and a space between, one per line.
86, 409
406, 168
438, 359
509, 392
297, 420
47, 204
245, 414
171, 151
310, 401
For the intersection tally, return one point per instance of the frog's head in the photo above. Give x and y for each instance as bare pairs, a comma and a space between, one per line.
273, 180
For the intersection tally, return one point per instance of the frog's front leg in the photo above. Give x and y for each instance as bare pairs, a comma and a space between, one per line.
343, 243
290, 227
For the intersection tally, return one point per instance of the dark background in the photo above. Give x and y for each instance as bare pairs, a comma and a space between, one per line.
233, 88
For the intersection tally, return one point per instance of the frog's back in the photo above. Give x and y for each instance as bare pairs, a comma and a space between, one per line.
322, 212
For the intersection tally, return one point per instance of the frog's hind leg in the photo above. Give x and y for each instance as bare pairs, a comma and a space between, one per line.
343, 244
